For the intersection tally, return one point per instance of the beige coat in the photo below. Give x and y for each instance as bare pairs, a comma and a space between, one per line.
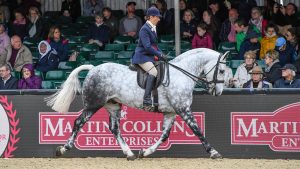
24, 56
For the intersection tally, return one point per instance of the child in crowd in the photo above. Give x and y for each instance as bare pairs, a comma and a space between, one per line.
202, 39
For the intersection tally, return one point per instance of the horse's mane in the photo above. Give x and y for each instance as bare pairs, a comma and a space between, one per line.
199, 51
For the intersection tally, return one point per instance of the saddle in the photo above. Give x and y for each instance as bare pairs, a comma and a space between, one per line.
142, 77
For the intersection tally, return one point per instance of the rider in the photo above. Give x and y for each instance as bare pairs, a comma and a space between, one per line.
147, 52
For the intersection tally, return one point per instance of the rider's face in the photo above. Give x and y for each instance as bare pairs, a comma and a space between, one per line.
154, 20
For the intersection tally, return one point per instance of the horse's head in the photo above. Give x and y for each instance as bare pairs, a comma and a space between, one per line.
214, 72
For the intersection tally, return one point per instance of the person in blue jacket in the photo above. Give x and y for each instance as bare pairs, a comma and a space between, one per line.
288, 79
147, 52
48, 58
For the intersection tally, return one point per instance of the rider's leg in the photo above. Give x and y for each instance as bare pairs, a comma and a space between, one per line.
150, 68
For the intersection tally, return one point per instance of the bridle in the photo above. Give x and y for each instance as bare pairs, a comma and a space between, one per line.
202, 79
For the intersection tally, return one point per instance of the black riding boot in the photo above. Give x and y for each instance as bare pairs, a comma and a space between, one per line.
147, 103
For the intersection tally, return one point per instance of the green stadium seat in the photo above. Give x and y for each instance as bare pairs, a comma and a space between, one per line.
114, 47
56, 75
68, 65
228, 46
140, 13
164, 46
234, 64
131, 47
47, 84
16, 74
90, 48
57, 84
77, 39
39, 74
85, 19
94, 62
123, 40
171, 54
82, 75
185, 46
124, 55
68, 32
261, 63
167, 39
118, 14
104, 55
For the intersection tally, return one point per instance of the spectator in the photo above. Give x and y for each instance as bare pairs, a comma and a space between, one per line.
98, 32
202, 39
256, 81
7, 81
4, 11
130, 24
111, 21
73, 6
269, 40
213, 26
272, 71
92, 7
19, 25
244, 7
166, 24
48, 58
291, 37
4, 38
258, 20
27, 4
182, 7
29, 80
58, 43
288, 78
242, 28
287, 53
197, 7
285, 15
268, 9
218, 9
228, 33
16, 54
65, 18
250, 43
35, 26
187, 26
242, 73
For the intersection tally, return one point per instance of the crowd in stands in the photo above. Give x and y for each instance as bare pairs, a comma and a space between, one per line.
265, 39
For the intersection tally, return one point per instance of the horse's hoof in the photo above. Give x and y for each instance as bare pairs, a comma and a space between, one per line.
148, 108
60, 150
214, 154
131, 158
141, 154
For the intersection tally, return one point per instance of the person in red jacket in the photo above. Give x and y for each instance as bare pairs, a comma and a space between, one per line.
202, 39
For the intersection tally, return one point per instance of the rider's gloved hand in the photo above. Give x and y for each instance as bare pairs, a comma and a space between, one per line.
163, 57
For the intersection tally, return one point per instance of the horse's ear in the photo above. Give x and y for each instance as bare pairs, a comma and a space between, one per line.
225, 55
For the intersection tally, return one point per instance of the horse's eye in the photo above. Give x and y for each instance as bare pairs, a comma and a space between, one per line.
222, 71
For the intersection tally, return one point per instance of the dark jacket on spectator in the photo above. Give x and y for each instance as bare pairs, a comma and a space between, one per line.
48, 60
282, 83
188, 27
246, 46
39, 29
32, 82
113, 25
288, 55
19, 29
273, 73
61, 47
11, 83
282, 20
100, 33
166, 24
262, 84
225, 30
73, 6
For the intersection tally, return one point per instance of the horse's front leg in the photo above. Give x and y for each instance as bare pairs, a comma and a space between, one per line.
78, 124
168, 122
188, 117
114, 126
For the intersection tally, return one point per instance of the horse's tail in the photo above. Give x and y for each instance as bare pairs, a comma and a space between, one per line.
62, 99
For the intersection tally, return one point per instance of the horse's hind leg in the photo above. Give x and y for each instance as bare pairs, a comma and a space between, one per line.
114, 110
167, 125
189, 119
78, 124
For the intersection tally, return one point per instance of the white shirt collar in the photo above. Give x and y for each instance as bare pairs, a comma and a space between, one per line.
153, 27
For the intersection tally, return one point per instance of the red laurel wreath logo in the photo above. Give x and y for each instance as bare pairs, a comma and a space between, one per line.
14, 130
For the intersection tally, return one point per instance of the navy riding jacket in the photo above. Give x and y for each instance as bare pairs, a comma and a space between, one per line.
147, 46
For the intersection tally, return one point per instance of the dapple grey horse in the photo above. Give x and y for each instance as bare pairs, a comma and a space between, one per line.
109, 85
